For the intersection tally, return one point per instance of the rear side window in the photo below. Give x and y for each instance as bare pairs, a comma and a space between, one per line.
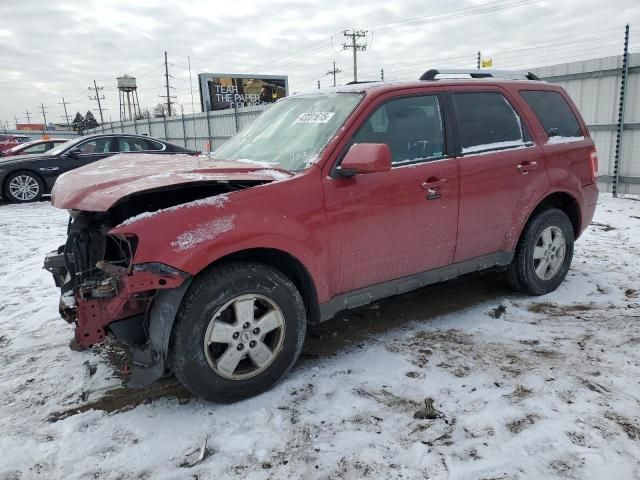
151, 145
138, 145
487, 121
554, 113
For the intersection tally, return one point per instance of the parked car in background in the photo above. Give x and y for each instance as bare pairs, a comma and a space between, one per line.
325, 202
25, 178
33, 147
10, 141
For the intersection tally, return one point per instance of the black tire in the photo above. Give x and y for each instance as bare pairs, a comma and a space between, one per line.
209, 293
521, 274
25, 174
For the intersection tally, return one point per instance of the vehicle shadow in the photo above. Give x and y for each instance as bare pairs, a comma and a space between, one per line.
349, 329
353, 327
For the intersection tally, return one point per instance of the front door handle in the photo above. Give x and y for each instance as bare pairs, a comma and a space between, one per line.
525, 167
434, 183
49, 169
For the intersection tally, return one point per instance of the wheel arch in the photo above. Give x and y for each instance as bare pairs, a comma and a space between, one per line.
565, 202
284, 262
559, 199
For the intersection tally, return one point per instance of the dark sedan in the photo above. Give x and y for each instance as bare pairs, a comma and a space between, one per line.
25, 178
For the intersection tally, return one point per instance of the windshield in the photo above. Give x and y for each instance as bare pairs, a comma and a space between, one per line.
293, 132
65, 146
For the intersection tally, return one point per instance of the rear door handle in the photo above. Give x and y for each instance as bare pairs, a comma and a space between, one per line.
525, 167
432, 184
49, 169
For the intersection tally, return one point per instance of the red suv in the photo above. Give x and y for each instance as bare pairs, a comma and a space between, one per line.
213, 267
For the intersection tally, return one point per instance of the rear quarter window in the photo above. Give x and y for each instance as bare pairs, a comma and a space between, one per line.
554, 113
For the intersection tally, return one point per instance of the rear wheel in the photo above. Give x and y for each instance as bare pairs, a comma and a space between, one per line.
240, 329
544, 253
23, 187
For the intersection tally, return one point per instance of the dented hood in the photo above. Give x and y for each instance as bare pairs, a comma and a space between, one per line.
100, 185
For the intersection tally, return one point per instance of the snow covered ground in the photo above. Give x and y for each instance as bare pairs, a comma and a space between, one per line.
545, 387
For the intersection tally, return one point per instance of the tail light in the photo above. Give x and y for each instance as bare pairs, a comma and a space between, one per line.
593, 163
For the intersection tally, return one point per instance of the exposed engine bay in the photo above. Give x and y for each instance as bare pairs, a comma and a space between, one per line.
102, 290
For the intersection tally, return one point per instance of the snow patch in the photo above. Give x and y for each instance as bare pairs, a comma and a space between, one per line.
494, 146
558, 139
68, 300
256, 162
215, 201
203, 233
275, 174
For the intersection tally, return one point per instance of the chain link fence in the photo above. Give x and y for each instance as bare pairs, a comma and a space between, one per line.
199, 131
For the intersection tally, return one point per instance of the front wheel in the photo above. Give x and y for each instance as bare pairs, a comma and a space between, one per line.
543, 255
23, 187
240, 329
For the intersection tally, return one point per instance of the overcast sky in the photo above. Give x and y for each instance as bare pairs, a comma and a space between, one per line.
50, 49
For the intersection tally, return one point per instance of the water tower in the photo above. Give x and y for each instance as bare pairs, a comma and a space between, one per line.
127, 86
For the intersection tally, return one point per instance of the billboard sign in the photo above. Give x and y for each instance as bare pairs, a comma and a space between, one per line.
220, 91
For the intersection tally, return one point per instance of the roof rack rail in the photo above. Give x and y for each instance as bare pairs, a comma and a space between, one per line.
361, 81
512, 74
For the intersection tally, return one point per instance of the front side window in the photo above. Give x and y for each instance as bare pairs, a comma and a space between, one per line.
293, 132
411, 127
39, 148
554, 113
487, 121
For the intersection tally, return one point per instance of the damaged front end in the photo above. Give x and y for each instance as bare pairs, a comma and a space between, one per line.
114, 270
102, 291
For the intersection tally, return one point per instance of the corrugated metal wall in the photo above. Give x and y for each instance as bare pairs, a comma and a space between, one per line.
594, 85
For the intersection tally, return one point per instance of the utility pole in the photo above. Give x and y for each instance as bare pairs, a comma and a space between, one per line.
97, 89
333, 72
16, 119
44, 115
166, 76
66, 116
479, 60
28, 114
354, 35
382, 74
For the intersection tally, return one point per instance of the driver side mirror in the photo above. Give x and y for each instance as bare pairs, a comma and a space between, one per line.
74, 152
365, 158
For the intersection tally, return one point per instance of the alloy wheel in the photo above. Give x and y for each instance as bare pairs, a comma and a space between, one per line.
244, 336
549, 253
24, 187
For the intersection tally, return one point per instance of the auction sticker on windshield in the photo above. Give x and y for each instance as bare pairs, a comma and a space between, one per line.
315, 117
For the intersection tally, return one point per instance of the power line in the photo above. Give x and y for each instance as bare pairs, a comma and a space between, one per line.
453, 14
